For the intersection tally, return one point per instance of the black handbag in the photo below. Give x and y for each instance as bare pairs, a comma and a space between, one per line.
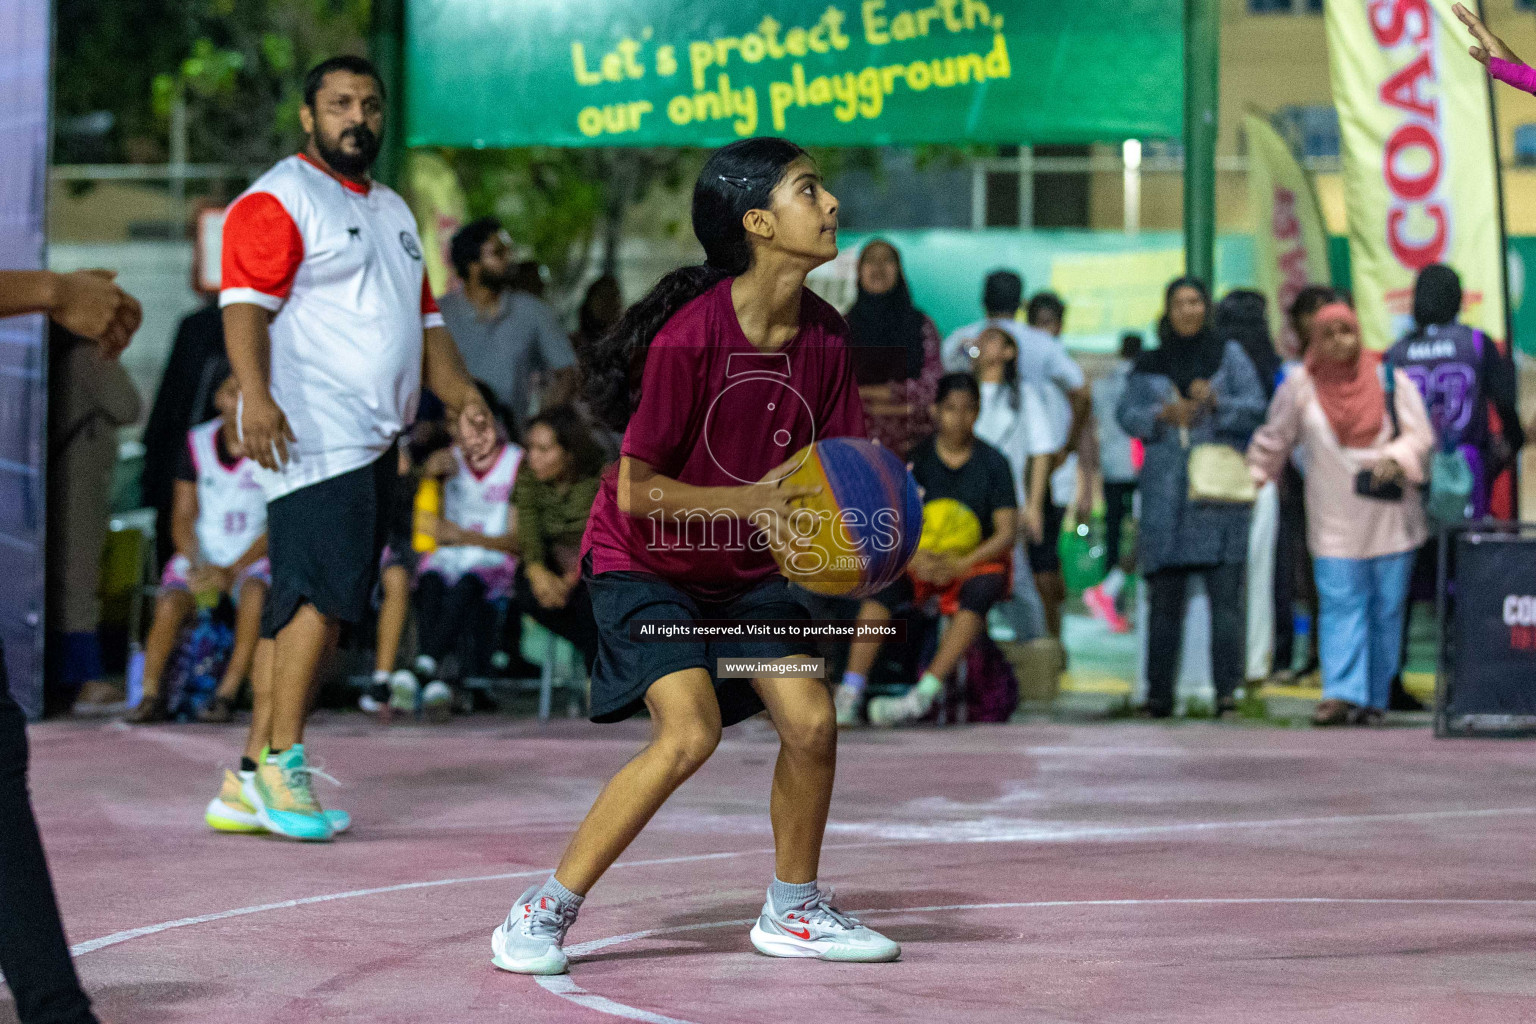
1365, 483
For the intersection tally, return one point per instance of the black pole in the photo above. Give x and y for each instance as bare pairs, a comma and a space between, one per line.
1509, 320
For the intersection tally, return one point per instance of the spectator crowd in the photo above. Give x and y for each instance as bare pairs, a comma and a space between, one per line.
1297, 480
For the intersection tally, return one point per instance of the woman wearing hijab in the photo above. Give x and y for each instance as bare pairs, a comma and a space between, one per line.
1241, 316
895, 352
1193, 389
1364, 522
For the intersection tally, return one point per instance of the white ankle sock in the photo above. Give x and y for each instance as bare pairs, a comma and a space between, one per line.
855, 681
1113, 583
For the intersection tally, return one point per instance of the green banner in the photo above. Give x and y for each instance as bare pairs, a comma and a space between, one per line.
504, 73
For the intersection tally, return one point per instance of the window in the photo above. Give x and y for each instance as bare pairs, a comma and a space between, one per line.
1308, 6
1061, 198
1525, 145
1311, 131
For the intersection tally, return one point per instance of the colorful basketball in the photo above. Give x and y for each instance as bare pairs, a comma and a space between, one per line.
949, 528
857, 536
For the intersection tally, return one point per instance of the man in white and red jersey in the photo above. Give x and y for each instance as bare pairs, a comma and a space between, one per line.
331, 332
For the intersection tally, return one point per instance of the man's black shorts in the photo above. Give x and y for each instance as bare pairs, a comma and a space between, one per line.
324, 543
626, 668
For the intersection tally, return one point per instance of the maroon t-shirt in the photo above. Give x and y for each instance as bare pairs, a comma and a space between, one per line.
716, 412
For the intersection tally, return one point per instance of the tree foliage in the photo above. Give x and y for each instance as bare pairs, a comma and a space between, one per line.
239, 64
566, 206
239, 67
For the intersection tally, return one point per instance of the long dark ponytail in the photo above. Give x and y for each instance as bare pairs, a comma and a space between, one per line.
736, 179
1011, 380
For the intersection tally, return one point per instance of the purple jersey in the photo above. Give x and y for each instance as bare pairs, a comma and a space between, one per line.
1446, 362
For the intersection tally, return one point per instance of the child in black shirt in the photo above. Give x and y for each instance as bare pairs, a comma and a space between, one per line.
953, 464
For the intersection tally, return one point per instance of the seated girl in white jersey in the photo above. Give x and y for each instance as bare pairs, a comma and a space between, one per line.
472, 566
219, 525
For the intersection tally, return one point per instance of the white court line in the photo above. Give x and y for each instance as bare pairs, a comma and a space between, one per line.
565, 988
1014, 831
91, 945
562, 986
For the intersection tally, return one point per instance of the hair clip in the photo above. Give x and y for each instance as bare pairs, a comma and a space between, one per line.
741, 183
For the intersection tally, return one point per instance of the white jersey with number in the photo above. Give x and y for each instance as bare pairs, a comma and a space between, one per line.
231, 508
481, 503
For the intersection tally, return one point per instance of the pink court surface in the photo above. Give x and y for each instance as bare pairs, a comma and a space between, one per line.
1041, 873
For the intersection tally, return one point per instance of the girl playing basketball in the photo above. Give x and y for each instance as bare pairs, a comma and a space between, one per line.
737, 366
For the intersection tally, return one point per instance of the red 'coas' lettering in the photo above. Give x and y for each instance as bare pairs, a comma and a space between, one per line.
1410, 89
1402, 89
1284, 222
1407, 138
1390, 19
1416, 256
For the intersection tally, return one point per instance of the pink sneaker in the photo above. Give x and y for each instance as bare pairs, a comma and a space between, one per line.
1103, 608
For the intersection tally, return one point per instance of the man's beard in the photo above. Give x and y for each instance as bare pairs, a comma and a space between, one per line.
353, 165
499, 281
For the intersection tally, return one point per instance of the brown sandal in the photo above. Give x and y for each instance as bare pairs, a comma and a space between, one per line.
1369, 717
1334, 712
219, 711
151, 709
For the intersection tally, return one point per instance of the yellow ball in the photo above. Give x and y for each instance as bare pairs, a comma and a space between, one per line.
949, 528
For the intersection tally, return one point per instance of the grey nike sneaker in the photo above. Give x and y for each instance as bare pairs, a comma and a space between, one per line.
529, 940
817, 930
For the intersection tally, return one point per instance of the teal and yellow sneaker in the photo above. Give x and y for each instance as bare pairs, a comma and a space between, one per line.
230, 811
283, 798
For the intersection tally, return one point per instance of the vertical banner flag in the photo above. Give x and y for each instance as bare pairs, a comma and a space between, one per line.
437, 200
1290, 242
1420, 161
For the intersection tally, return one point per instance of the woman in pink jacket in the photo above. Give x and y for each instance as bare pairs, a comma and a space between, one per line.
1365, 438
